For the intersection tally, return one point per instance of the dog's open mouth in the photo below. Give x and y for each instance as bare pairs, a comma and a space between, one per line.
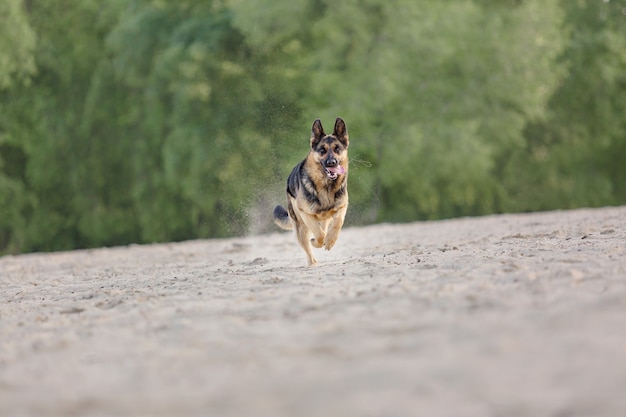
334, 172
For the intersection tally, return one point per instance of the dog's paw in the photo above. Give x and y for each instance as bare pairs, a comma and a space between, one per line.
330, 241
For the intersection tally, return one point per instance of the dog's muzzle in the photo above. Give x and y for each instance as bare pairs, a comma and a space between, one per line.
332, 168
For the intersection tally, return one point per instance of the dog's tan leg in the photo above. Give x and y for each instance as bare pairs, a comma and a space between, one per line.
335, 227
304, 238
305, 242
319, 241
318, 229
303, 234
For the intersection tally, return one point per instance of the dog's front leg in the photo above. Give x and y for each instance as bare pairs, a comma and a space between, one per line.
303, 232
318, 230
335, 228
304, 235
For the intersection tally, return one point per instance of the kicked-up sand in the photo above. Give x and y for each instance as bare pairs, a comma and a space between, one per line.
508, 315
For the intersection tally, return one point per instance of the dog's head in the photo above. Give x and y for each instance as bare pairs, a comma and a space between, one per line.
331, 151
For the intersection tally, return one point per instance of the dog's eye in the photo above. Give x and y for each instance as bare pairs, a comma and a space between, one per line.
323, 151
337, 149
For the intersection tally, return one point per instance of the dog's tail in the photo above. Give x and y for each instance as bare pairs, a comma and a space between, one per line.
281, 218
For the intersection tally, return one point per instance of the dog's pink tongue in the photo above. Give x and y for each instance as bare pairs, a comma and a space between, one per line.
337, 170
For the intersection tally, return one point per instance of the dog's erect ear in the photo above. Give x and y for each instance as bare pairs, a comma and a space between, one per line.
341, 131
317, 133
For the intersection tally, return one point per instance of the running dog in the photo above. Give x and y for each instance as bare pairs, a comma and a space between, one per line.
317, 191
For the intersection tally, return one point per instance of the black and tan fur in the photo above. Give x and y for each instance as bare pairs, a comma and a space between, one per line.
317, 191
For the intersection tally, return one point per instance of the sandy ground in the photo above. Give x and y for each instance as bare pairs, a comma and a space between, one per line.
511, 315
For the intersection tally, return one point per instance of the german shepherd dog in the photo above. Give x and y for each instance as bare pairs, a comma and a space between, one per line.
317, 191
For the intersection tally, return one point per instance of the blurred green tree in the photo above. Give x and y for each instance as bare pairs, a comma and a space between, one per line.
37, 121
201, 115
437, 94
575, 157
17, 66
145, 120
17, 42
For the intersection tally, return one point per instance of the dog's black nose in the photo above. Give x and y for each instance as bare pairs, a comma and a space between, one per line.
331, 162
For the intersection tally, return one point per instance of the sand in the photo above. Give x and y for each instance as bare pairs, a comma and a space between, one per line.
507, 315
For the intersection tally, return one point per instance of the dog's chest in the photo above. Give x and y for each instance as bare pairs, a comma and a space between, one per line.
331, 199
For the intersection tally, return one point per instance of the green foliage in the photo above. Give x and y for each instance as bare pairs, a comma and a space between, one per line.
431, 86
192, 107
142, 121
17, 42
575, 157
